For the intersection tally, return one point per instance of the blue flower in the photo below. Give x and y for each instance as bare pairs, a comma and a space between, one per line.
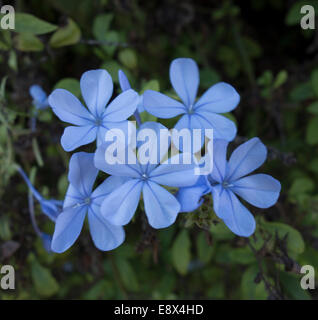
39, 96
229, 179
125, 85
161, 207
50, 207
81, 200
201, 114
94, 122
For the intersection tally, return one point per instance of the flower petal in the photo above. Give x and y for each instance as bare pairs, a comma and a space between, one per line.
119, 206
74, 137
219, 160
260, 190
190, 198
220, 98
97, 88
122, 107
105, 235
68, 108
223, 128
175, 172
237, 218
161, 105
123, 81
161, 206
82, 172
184, 77
102, 162
67, 228
246, 158
105, 188
73, 197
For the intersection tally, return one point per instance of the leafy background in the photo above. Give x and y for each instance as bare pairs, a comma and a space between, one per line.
258, 47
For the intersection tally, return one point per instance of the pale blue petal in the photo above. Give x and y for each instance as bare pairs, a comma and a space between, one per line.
105, 235
161, 105
82, 172
158, 148
188, 122
223, 128
39, 96
73, 197
161, 206
123, 81
260, 190
122, 107
220, 98
175, 175
67, 228
184, 77
68, 108
97, 88
119, 206
237, 218
74, 137
105, 188
190, 198
246, 158
140, 106
219, 160
117, 169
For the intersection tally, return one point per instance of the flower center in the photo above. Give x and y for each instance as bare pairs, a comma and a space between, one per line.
144, 177
226, 184
87, 200
98, 122
190, 109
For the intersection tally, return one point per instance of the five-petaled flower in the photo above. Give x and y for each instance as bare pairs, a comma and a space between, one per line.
161, 207
201, 114
81, 200
94, 122
229, 179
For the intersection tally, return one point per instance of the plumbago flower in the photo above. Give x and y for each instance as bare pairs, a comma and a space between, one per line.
161, 207
94, 122
201, 114
125, 85
39, 96
81, 200
229, 179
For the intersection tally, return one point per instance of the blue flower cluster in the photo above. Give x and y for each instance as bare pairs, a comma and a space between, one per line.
113, 203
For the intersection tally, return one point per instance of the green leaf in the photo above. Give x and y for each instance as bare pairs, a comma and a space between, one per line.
44, 282
313, 108
127, 274
312, 131
128, 58
208, 77
70, 84
5, 231
295, 242
101, 25
280, 79
25, 22
12, 61
302, 91
204, 250
181, 254
300, 186
250, 289
291, 286
28, 42
151, 85
220, 231
65, 36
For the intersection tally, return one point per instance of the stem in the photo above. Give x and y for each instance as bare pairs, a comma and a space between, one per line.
137, 117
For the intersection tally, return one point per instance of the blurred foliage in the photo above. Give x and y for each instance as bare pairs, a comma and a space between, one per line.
274, 67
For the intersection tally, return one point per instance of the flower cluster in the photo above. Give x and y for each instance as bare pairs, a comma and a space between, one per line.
113, 203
